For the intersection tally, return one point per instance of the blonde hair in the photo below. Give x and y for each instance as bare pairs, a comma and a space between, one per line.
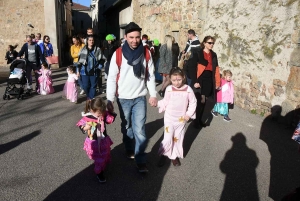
169, 42
226, 72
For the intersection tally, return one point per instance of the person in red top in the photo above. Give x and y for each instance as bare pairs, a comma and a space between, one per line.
203, 69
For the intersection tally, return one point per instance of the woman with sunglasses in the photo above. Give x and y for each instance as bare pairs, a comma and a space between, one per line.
46, 48
203, 69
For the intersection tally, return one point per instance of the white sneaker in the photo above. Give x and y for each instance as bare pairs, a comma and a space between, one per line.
29, 87
81, 92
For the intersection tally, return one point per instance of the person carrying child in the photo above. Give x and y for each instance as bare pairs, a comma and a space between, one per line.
97, 143
70, 88
224, 96
179, 104
45, 80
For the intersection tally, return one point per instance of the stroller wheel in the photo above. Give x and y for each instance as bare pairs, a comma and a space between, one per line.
4, 96
8, 97
18, 97
22, 97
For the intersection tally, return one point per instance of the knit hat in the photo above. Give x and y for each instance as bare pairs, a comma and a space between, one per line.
156, 42
132, 27
109, 37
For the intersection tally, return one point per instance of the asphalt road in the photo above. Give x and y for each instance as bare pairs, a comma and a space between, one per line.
41, 156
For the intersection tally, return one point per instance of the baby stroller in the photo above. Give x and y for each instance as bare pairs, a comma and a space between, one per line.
17, 77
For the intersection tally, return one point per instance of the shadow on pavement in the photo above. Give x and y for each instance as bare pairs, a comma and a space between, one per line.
10, 145
239, 166
285, 158
123, 180
189, 137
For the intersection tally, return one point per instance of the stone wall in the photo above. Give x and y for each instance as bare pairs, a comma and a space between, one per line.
15, 15
256, 40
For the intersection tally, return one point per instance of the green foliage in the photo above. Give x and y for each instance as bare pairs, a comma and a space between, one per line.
253, 111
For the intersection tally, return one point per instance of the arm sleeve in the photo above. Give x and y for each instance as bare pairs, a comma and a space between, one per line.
162, 53
21, 51
6, 56
112, 79
192, 105
151, 79
73, 54
42, 58
162, 104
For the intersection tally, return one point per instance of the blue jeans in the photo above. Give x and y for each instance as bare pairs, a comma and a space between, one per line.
79, 79
133, 116
89, 84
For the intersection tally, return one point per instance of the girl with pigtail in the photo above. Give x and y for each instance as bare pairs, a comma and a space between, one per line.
97, 143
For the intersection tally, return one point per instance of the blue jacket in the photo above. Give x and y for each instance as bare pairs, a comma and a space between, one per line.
48, 52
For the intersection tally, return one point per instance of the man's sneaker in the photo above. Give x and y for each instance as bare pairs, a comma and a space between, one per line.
81, 92
130, 155
226, 118
101, 178
214, 113
142, 168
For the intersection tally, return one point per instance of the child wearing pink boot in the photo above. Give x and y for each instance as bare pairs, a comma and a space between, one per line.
70, 88
179, 104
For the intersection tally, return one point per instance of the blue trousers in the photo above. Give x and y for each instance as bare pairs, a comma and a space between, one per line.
133, 116
89, 84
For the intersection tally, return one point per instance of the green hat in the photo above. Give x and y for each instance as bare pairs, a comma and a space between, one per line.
109, 37
156, 42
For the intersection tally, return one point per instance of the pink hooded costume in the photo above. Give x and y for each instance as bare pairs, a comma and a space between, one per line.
45, 82
177, 103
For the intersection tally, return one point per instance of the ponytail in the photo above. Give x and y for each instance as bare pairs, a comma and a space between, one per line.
87, 106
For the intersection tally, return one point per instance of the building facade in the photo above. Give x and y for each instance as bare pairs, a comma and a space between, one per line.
81, 18
55, 22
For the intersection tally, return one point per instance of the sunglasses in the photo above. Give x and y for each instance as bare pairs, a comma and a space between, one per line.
211, 43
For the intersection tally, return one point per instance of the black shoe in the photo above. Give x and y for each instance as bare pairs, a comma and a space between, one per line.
101, 177
130, 155
226, 118
176, 162
161, 93
162, 161
214, 113
142, 168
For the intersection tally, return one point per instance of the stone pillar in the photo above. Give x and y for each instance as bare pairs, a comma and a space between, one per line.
52, 13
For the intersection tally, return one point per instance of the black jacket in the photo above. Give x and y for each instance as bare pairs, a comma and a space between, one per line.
38, 54
11, 56
196, 58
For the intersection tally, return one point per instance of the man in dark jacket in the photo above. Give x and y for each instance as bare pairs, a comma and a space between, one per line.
34, 57
192, 42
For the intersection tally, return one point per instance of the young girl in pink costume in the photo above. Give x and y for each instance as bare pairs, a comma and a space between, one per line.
45, 80
179, 104
224, 96
70, 88
97, 143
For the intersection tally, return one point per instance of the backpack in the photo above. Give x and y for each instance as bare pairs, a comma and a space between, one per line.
119, 63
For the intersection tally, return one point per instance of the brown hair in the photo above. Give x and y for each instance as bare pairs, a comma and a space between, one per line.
45, 65
96, 104
72, 68
226, 72
177, 71
206, 38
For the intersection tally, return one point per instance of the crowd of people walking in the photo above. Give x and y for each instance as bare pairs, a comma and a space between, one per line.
132, 66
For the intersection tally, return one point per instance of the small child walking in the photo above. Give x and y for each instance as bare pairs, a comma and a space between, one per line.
45, 80
224, 96
179, 104
70, 88
97, 143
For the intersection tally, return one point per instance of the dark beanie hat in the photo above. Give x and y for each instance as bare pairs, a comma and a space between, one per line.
132, 27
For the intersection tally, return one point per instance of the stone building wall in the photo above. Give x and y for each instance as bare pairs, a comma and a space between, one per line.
257, 40
15, 15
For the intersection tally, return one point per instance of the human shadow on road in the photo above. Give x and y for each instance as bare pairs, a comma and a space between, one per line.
189, 137
152, 127
10, 145
123, 180
276, 131
239, 165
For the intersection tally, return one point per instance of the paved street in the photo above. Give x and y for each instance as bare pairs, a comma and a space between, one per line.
41, 156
